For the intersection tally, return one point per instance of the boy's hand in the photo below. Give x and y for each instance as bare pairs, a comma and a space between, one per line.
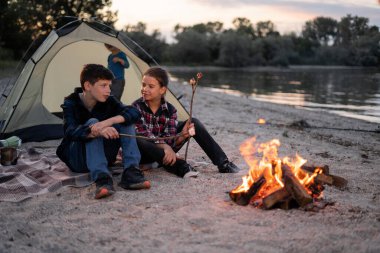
110, 133
117, 59
105, 128
97, 128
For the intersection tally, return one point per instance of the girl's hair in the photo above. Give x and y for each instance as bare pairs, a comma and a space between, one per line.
93, 73
159, 74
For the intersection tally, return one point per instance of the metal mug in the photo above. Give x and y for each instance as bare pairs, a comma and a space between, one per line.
8, 156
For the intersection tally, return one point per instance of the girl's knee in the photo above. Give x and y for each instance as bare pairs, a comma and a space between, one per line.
197, 123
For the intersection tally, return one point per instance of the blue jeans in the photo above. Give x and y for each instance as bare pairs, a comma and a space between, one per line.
117, 88
101, 152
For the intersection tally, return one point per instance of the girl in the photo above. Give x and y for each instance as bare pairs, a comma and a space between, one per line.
159, 119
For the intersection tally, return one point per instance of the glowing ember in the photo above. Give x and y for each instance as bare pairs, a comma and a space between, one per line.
261, 121
271, 167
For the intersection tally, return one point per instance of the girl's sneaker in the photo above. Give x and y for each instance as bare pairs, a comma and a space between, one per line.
228, 167
182, 169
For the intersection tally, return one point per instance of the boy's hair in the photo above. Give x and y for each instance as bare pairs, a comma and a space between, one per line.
111, 47
108, 46
93, 73
159, 74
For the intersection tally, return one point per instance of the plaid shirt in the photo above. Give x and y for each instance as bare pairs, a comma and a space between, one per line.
161, 124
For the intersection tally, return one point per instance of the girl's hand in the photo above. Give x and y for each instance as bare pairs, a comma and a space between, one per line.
188, 130
170, 156
191, 130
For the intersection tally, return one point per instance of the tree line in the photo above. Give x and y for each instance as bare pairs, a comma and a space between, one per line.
323, 41
349, 41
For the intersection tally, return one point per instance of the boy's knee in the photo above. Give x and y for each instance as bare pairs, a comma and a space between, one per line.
92, 121
127, 129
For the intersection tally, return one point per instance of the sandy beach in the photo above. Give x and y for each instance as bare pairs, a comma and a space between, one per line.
196, 214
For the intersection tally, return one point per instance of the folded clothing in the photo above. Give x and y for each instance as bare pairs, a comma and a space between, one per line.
11, 142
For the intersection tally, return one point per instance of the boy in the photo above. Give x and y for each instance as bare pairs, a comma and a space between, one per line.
159, 119
117, 62
92, 121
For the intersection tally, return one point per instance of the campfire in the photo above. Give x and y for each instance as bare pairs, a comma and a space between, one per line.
284, 183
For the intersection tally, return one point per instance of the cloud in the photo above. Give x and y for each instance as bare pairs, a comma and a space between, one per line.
231, 3
329, 8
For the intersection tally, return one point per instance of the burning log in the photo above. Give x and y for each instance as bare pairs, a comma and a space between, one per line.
318, 205
275, 197
316, 189
326, 177
294, 187
287, 204
339, 182
325, 169
243, 198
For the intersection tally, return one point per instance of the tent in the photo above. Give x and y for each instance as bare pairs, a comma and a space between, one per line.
32, 109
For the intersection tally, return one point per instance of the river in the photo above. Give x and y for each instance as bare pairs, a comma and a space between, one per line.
349, 92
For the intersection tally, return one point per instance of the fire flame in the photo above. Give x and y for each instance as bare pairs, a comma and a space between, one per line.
269, 166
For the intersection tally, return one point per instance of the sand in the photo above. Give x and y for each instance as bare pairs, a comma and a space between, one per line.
196, 214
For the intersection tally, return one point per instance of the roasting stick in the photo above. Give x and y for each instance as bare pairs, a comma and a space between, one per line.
194, 84
151, 139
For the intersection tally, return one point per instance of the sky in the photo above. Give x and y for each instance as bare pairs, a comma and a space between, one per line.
287, 15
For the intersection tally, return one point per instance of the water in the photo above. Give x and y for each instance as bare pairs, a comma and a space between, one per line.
350, 92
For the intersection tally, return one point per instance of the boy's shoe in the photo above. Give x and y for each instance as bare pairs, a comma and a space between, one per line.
228, 167
133, 179
104, 186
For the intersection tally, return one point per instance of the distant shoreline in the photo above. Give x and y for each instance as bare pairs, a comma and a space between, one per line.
5, 72
261, 68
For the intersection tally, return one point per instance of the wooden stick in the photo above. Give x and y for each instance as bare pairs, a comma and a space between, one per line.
193, 87
151, 139
191, 112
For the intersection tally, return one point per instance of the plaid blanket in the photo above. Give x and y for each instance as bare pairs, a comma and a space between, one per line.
37, 174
